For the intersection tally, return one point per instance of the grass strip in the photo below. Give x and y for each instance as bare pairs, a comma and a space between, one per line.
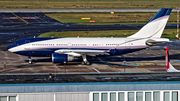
107, 18
88, 4
168, 33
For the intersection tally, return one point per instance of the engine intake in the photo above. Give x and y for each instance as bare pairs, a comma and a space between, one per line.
61, 58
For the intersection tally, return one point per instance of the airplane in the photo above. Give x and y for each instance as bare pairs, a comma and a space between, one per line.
169, 66
65, 49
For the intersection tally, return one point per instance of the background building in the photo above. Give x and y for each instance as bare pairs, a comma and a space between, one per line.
91, 87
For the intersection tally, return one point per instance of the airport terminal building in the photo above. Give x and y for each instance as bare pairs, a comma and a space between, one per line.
91, 87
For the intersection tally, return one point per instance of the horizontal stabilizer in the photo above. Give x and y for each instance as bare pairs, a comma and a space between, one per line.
156, 41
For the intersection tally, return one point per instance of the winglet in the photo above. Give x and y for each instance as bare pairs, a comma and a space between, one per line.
167, 58
169, 67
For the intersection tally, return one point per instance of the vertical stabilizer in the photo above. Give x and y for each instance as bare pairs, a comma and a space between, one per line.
155, 27
169, 67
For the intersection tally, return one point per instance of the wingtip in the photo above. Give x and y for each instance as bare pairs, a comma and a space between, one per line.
166, 48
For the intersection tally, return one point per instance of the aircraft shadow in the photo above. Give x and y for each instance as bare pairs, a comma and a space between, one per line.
108, 60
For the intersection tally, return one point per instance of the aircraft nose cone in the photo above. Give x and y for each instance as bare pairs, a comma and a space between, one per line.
9, 47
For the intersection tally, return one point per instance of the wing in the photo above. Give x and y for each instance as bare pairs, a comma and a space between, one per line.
75, 52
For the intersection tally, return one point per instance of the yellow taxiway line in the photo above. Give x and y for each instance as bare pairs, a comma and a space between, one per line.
20, 18
154, 54
140, 69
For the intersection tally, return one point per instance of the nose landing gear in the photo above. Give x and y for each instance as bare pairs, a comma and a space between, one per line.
30, 60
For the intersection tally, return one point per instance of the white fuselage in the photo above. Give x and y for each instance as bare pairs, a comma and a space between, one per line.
83, 43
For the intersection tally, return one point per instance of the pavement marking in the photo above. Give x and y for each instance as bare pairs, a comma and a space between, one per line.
112, 66
44, 68
6, 55
140, 69
33, 19
57, 68
145, 64
81, 65
171, 61
8, 19
124, 64
20, 57
96, 70
134, 64
138, 64
106, 63
100, 60
94, 64
20, 18
153, 53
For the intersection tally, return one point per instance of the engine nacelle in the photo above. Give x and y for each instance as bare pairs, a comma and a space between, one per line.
61, 58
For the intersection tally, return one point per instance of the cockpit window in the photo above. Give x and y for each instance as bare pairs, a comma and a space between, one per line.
16, 44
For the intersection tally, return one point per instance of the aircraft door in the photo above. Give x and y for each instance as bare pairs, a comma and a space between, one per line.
27, 44
127, 44
69, 45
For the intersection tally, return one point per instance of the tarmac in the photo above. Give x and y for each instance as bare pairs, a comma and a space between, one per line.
148, 60
85, 78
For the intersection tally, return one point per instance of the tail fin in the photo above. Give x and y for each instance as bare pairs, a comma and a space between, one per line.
169, 67
155, 26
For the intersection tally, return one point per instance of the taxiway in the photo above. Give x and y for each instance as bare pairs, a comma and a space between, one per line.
148, 60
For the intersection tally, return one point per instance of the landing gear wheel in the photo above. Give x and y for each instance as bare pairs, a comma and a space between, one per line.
88, 63
82, 63
85, 61
30, 61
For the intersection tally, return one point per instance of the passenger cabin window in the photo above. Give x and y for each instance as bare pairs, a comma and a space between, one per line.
95, 44
111, 44
42, 44
61, 44
79, 44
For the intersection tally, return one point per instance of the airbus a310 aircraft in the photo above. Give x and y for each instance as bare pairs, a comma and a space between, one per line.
66, 49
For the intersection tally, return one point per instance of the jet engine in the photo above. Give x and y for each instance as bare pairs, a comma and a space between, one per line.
61, 58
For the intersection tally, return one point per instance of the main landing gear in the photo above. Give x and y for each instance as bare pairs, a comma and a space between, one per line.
85, 61
30, 60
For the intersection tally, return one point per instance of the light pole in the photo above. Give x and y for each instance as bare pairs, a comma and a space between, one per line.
65, 66
124, 64
4, 67
177, 23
